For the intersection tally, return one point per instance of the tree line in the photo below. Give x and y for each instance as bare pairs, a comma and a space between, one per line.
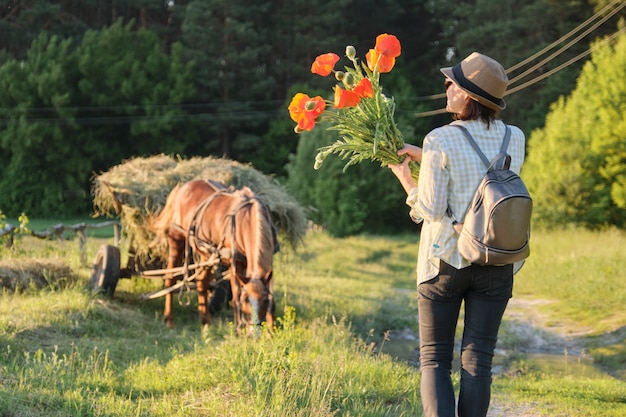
89, 84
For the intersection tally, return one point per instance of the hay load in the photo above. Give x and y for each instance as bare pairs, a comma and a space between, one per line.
137, 189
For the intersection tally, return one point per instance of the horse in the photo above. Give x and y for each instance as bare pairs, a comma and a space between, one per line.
201, 219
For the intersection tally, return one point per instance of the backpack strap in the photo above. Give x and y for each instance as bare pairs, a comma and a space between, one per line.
472, 142
506, 140
499, 157
503, 158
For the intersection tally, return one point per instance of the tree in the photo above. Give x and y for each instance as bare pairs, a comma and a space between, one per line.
22, 21
228, 40
576, 165
72, 110
132, 95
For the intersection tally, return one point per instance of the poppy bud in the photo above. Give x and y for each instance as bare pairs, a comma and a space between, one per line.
348, 80
350, 51
339, 75
319, 160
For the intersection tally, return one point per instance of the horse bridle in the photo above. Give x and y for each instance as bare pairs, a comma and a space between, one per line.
245, 201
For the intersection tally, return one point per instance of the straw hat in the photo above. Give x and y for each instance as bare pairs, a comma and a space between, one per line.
482, 78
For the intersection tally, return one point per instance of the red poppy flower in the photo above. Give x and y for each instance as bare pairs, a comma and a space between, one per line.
384, 53
324, 64
304, 110
345, 98
385, 63
388, 45
364, 88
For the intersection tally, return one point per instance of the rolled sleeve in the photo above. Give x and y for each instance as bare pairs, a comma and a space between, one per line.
411, 201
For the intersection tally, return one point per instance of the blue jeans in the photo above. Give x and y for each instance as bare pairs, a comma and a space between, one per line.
486, 291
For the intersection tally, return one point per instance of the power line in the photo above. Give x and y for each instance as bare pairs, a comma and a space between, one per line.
572, 42
268, 113
536, 79
620, 4
560, 67
551, 57
108, 120
129, 107
562, 38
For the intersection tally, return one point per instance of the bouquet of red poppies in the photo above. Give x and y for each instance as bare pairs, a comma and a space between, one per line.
361, 114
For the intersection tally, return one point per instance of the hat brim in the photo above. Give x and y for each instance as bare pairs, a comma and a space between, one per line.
447, 71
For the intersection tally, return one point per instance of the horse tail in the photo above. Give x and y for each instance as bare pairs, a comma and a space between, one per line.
161, 224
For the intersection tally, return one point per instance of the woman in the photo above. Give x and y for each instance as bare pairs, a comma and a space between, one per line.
450, 171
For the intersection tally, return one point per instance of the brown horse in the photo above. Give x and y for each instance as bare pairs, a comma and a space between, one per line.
202, 219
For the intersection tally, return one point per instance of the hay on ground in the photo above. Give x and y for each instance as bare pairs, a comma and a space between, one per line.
21, 274
137, 189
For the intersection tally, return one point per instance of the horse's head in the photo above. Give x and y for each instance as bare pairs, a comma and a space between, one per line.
257, 305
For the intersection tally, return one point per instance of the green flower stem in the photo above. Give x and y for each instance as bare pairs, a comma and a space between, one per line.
367, 131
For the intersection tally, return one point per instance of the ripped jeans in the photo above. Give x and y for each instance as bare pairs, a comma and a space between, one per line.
486, 291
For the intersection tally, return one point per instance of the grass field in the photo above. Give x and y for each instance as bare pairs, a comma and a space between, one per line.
66, 352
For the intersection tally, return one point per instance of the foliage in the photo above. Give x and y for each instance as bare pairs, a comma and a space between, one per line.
9, 232
22, 22
576, 165
70, 110
248, 56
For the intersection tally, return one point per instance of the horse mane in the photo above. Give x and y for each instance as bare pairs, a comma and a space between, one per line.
261, 249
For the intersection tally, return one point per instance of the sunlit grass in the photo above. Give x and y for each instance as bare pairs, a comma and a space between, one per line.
582, 272
557, 395
64, 351
353, 277
68, 352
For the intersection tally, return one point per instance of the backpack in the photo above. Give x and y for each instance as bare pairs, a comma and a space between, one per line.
496, 228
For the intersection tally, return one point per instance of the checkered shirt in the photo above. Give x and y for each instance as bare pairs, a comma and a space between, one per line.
449, 175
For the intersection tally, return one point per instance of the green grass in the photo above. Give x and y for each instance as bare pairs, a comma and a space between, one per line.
557, 395
64, 351
582, 273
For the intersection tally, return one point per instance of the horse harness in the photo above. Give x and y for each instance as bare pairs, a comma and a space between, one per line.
217, 252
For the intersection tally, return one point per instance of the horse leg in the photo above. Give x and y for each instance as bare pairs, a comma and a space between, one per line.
202, 287
235, 290
270, 316
175, 255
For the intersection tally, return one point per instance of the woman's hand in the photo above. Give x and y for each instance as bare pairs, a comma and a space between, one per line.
414, 152
402, 170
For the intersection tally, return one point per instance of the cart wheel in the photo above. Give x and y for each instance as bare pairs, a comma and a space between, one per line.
105, 271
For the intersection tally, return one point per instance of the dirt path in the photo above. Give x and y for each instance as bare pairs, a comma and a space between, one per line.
524, 329
533, 334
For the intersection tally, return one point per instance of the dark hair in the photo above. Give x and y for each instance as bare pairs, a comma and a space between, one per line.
473, 110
